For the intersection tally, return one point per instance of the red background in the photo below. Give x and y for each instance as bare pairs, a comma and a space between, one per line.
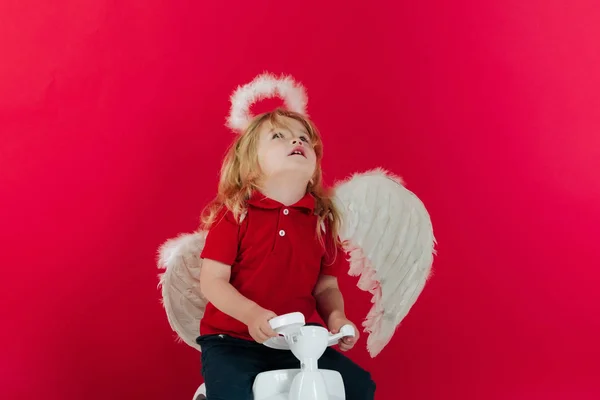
112, 128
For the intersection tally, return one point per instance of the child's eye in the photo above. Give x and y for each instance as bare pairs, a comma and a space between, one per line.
277, 135
304, 138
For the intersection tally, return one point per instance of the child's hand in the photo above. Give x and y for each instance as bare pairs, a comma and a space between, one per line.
347, 342
259, 326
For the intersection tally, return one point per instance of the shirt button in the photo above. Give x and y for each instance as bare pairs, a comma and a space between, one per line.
286, 211
282, 233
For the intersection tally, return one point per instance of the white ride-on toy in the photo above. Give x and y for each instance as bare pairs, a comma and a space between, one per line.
307, 343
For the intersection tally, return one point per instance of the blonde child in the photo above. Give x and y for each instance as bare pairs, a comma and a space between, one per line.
266, 254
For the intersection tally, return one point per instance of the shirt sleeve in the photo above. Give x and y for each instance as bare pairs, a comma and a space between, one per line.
221, 242
335, 260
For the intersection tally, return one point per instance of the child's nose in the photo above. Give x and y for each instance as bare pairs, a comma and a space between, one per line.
296, 141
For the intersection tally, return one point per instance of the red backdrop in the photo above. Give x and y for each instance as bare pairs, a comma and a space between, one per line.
112, 128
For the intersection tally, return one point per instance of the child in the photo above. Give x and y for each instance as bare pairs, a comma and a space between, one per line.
266, 254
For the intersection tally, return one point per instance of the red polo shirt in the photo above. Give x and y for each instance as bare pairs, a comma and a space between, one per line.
276, 259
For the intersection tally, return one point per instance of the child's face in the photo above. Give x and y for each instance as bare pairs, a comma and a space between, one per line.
278, 148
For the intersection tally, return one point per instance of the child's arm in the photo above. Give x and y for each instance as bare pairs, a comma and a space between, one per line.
329, 299
330, 306
215, 286
330, 302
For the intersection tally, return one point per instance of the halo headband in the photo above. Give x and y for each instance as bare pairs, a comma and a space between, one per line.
265, 86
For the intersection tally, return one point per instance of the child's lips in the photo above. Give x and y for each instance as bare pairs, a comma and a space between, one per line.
297, 151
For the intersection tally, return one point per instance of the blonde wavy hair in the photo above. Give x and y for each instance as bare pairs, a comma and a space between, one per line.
240, 172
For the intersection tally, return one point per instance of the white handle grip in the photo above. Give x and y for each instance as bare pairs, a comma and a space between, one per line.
285, 323
346, 330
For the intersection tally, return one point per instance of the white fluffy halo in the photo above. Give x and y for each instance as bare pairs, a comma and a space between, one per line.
265, 86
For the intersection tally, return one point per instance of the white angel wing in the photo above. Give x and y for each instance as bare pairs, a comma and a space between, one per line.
389, 237
181, 297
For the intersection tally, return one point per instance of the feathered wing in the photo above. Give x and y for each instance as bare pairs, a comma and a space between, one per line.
180, 284
389, 237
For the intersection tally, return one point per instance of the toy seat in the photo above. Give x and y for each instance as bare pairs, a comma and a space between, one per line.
307, 343
276, 384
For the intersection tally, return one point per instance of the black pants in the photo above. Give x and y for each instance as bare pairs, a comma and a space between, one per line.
229, 366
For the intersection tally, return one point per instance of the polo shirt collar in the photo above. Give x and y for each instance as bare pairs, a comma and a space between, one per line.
257, 199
